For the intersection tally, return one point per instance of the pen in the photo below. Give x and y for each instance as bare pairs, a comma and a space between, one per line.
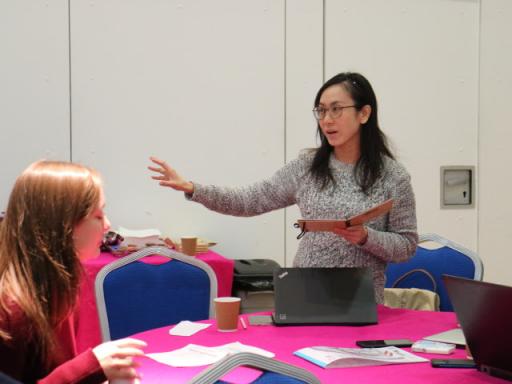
244, 326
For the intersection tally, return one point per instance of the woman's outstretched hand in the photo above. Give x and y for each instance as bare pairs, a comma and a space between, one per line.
116, 358
169, 178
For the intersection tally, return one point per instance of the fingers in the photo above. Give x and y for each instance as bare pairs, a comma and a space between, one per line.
162, 166
156, 160
116, 357
127, 348
353, 235
155, 169
123, 373
125, 352
126, 362
130, 342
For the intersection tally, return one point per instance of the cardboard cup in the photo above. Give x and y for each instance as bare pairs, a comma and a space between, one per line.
226, 313
189, 245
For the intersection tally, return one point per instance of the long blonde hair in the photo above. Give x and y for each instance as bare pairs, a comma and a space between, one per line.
40, 270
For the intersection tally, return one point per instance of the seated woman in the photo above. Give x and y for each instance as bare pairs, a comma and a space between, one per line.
54, 219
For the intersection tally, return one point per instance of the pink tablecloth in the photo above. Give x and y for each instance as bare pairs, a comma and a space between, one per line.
87, 324
283, 341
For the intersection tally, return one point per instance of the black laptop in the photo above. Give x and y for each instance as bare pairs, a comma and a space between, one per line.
324, 296
484, 312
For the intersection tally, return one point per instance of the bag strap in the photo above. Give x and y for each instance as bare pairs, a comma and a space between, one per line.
416, 270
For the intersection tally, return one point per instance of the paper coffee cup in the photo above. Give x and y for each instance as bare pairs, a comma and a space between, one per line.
226, 313
189, 245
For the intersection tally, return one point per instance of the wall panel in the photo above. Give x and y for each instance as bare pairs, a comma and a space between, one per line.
34, 86
199, 84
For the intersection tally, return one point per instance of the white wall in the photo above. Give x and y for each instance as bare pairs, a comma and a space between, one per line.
34, 86
223, 90
199, 84
494, 137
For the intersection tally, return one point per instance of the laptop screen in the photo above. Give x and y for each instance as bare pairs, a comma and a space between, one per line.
324, 296
485, 316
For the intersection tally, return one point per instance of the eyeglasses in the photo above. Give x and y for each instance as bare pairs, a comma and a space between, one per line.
335, 111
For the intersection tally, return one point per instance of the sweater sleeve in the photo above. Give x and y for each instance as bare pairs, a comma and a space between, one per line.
82, 369
276, 192
398, 243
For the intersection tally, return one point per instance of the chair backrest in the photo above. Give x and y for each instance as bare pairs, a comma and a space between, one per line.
133, 296
425, 268
277, 372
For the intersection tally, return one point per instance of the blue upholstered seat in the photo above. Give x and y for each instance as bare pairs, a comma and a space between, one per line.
425, 268
133, 296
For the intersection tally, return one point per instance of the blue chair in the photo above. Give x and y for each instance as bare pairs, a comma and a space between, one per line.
276, 372
425, 268
133, 296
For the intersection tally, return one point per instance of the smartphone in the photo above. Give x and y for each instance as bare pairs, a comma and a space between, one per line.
384, 343
260, 320
452, 363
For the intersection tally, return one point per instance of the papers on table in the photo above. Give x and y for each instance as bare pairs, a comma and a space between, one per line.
140, 238
331, 357
187, 328
193, 355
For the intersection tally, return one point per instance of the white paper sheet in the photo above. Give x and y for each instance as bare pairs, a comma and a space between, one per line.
187, 328
193, 355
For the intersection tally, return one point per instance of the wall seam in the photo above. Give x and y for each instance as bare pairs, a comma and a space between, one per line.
323, 41
478, 128
70, 86
285, 216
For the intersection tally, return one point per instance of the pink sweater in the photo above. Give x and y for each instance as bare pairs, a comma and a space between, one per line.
19, 360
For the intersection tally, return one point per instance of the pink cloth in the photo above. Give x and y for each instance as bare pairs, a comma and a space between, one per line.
283, 341
88, 333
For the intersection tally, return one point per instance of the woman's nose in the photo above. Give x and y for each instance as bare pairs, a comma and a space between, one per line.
106, 224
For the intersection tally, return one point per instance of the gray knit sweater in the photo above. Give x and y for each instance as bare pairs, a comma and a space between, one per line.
391, 238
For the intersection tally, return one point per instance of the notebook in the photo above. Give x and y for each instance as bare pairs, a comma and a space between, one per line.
324, 296
452, 336
485, 315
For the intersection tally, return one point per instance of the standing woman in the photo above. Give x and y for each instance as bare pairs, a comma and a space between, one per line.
351, 171
54, 219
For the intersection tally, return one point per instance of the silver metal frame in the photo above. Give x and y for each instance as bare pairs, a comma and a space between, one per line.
162, 251
479, 266
216, 371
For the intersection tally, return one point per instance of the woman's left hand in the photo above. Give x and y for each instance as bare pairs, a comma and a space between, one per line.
356, 235
116, 358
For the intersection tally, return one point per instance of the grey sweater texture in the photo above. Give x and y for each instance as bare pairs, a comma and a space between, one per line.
391, 238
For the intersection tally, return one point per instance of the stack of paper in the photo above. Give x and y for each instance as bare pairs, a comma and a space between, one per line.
140, 238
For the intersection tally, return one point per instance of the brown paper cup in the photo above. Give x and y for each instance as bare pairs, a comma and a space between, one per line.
226, 313
189, 245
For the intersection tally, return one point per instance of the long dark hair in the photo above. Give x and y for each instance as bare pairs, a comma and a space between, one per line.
373, 142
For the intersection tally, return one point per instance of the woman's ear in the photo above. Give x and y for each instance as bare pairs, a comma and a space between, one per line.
364, 114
